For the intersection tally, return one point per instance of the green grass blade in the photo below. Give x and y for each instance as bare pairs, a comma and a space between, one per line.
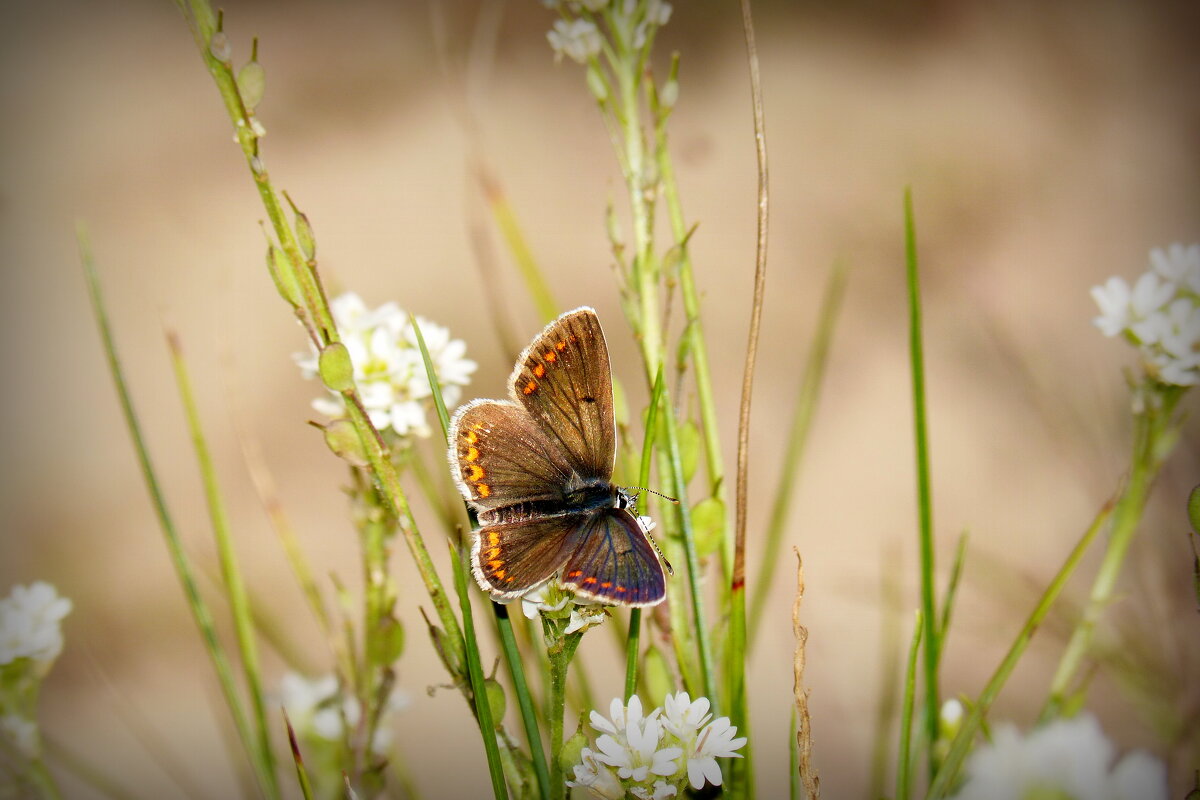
231, 574
960, 557
179, 557
483, 709
806, 406
904, 757
632, 642
932, 641
434, 385
961, 743
301, 772
514, 237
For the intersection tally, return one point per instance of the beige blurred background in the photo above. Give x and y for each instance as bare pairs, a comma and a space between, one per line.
1048, 146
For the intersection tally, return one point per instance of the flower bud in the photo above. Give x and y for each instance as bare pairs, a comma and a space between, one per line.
220, 47
668, 95
496, 700
284, 276
251, 83
343, 439
337, 371
572, 750
304, 236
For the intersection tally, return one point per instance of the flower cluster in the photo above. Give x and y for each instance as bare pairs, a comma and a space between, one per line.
1067, 759
388, 369
30, 640
653, 756
30, 620
1160, 314
631, 23
317, 709
552, 600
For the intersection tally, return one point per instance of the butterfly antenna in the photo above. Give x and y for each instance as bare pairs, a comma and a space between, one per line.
657, 494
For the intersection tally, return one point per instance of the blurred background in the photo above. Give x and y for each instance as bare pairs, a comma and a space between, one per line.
1048, 146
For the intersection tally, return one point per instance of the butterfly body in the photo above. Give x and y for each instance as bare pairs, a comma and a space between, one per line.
537, 470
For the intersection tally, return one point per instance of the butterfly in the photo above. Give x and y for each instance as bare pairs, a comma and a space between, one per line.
537, 469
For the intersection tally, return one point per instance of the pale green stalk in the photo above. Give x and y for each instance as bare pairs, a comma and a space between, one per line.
904, 757
298, 759
514, 237
1154, 436
235, 586
961, 744
932, 647
560, 653
315, 314
179, 558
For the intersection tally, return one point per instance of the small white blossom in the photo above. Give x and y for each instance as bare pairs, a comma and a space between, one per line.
660, 791
1178, 264
21, 734
388, 369
1067, 759
1160, 315
313, 707
596, 777
30, 626
578, 39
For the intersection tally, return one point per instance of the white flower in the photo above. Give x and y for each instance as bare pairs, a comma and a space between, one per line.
583, 618
388, 369
551, 597
1178, 264
660, 791
702, 743
630, 741
1066, 759
21, 734
578, 38
30, 623
313, 707
1113, 299
597, 777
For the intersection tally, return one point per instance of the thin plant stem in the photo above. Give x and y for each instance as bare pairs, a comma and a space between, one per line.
506, 220
932, 643
179, 558
483, 708
961, 744
960, 557
801, 719
806, 406
298, 759
231, 574
742, 778
1152, 429
903, 757
560, 654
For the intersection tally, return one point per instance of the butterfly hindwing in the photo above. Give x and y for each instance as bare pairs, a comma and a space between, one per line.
500, 457
563, 380
614, 562
513, 557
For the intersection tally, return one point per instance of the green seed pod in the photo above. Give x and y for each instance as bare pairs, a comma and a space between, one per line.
391, 640
689, 449
284, 276
708, 525
343, 440
668, 95
337, 371
251, 83
497, 702
656, 675
220, 47
304, 236
572, 750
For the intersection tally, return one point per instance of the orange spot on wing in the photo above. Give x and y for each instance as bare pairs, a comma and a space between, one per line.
575, 574
483, 489
493, 538
474, 473
472, 453
620, 588
494, 552
472, 437
539, 370
561, 345
530, 387
496, 564
500, 574
550, 356
589, 580
606, 585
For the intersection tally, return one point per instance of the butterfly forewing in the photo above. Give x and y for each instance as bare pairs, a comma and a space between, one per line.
614, 561
563, 381
511, 558
501, 457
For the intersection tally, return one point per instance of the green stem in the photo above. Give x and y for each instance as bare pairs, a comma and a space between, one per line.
560, 653
961, 743
512, 657
1152, 431
179, 558
929, 616
904, 757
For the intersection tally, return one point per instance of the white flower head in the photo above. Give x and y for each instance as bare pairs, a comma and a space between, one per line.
388, 369
702, 741
21, 734
1065, 759
579, 39
30, 624
1160, 315
596, 777
317, 707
